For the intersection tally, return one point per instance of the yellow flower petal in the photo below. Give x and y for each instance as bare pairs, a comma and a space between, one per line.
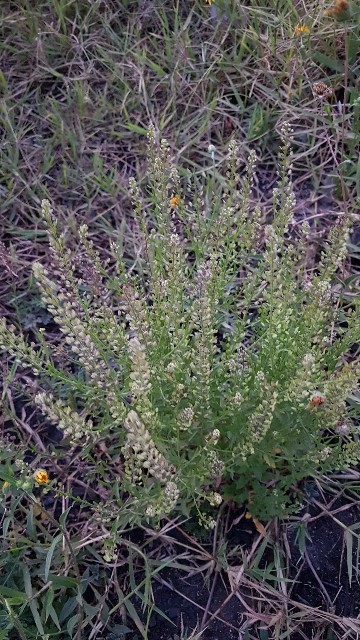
41, 476
299, 29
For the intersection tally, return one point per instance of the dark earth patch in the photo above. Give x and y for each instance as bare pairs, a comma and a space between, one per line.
319, 566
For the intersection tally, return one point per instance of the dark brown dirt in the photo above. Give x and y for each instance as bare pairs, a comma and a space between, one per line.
320, 573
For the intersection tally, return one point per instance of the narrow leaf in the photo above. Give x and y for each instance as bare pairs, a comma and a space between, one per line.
13, 593
50, 554
349, 550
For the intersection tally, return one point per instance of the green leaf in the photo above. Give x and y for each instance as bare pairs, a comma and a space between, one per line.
20, 596
331, 63
53, 616
67, 609
30, 527
63, 581
120, 629
71, 624
32, 601
63, 517
155, 67
135, 128
5, 525
50, 554
47, 601
349, 550
90, 610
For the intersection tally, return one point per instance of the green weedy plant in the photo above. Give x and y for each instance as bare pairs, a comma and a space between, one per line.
213, 362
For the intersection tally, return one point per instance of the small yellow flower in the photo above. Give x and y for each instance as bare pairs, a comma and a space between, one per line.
6, 485
299, 29
41, 476
174, 201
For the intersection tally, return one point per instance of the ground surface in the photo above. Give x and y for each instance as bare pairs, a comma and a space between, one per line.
79, 84
320, 571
